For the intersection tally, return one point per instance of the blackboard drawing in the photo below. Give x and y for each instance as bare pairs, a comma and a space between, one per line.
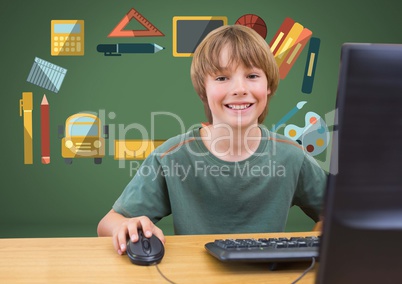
311, 65
67, 37
280, 34
314, 136
294, 53
189, 31
150, 29
45, 130
255, 22
287, 116
134, 149
46, 75
83, 138
288, 43
119, 48
26, 108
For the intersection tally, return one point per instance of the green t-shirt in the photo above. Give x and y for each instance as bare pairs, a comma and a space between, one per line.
207, 195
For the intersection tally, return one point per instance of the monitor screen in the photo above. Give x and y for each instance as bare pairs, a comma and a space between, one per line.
362, 232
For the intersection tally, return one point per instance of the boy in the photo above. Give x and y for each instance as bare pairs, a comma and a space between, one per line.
232, 175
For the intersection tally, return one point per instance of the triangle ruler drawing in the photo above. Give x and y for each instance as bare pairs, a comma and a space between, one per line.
150, 29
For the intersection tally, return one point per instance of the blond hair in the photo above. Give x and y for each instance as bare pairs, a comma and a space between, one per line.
246, 47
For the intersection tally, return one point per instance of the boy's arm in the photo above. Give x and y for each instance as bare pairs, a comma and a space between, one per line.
119, 228
310, 190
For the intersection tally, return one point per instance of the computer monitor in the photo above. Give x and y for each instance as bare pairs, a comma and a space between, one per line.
362, 232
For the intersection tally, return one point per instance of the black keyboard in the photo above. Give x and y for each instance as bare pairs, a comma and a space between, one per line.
273, 250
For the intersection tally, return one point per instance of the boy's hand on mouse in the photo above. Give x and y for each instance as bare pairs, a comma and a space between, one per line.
130, 228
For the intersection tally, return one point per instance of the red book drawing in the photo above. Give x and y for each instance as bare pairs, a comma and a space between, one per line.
45, 128
281, 34
294, 52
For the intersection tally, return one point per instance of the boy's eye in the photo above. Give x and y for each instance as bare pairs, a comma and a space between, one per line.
253, 76
220, 78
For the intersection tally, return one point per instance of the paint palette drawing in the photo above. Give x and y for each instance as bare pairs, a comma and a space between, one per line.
314, 136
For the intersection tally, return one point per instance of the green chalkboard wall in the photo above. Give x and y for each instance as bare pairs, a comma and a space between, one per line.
57, 199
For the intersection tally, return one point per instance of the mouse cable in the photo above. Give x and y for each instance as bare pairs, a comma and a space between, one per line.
306, 271
160, 272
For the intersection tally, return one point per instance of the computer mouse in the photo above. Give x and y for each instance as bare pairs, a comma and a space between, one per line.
145, 251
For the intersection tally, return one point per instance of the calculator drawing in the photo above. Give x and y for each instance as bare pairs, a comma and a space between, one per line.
67, 38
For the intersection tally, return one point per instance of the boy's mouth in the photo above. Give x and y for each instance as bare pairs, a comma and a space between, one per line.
238, 106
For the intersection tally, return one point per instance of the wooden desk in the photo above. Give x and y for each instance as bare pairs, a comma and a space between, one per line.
93, 260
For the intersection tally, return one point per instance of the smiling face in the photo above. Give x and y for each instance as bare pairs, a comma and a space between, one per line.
230, 55
237, 95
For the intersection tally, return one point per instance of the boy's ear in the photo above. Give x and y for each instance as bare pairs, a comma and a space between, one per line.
268, 91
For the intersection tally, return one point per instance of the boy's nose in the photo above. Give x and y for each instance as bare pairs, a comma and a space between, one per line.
239, 88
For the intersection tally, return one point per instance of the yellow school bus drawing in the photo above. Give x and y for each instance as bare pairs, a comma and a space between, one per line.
83, 138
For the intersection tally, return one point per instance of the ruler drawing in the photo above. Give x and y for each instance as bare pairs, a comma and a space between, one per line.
119, 31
